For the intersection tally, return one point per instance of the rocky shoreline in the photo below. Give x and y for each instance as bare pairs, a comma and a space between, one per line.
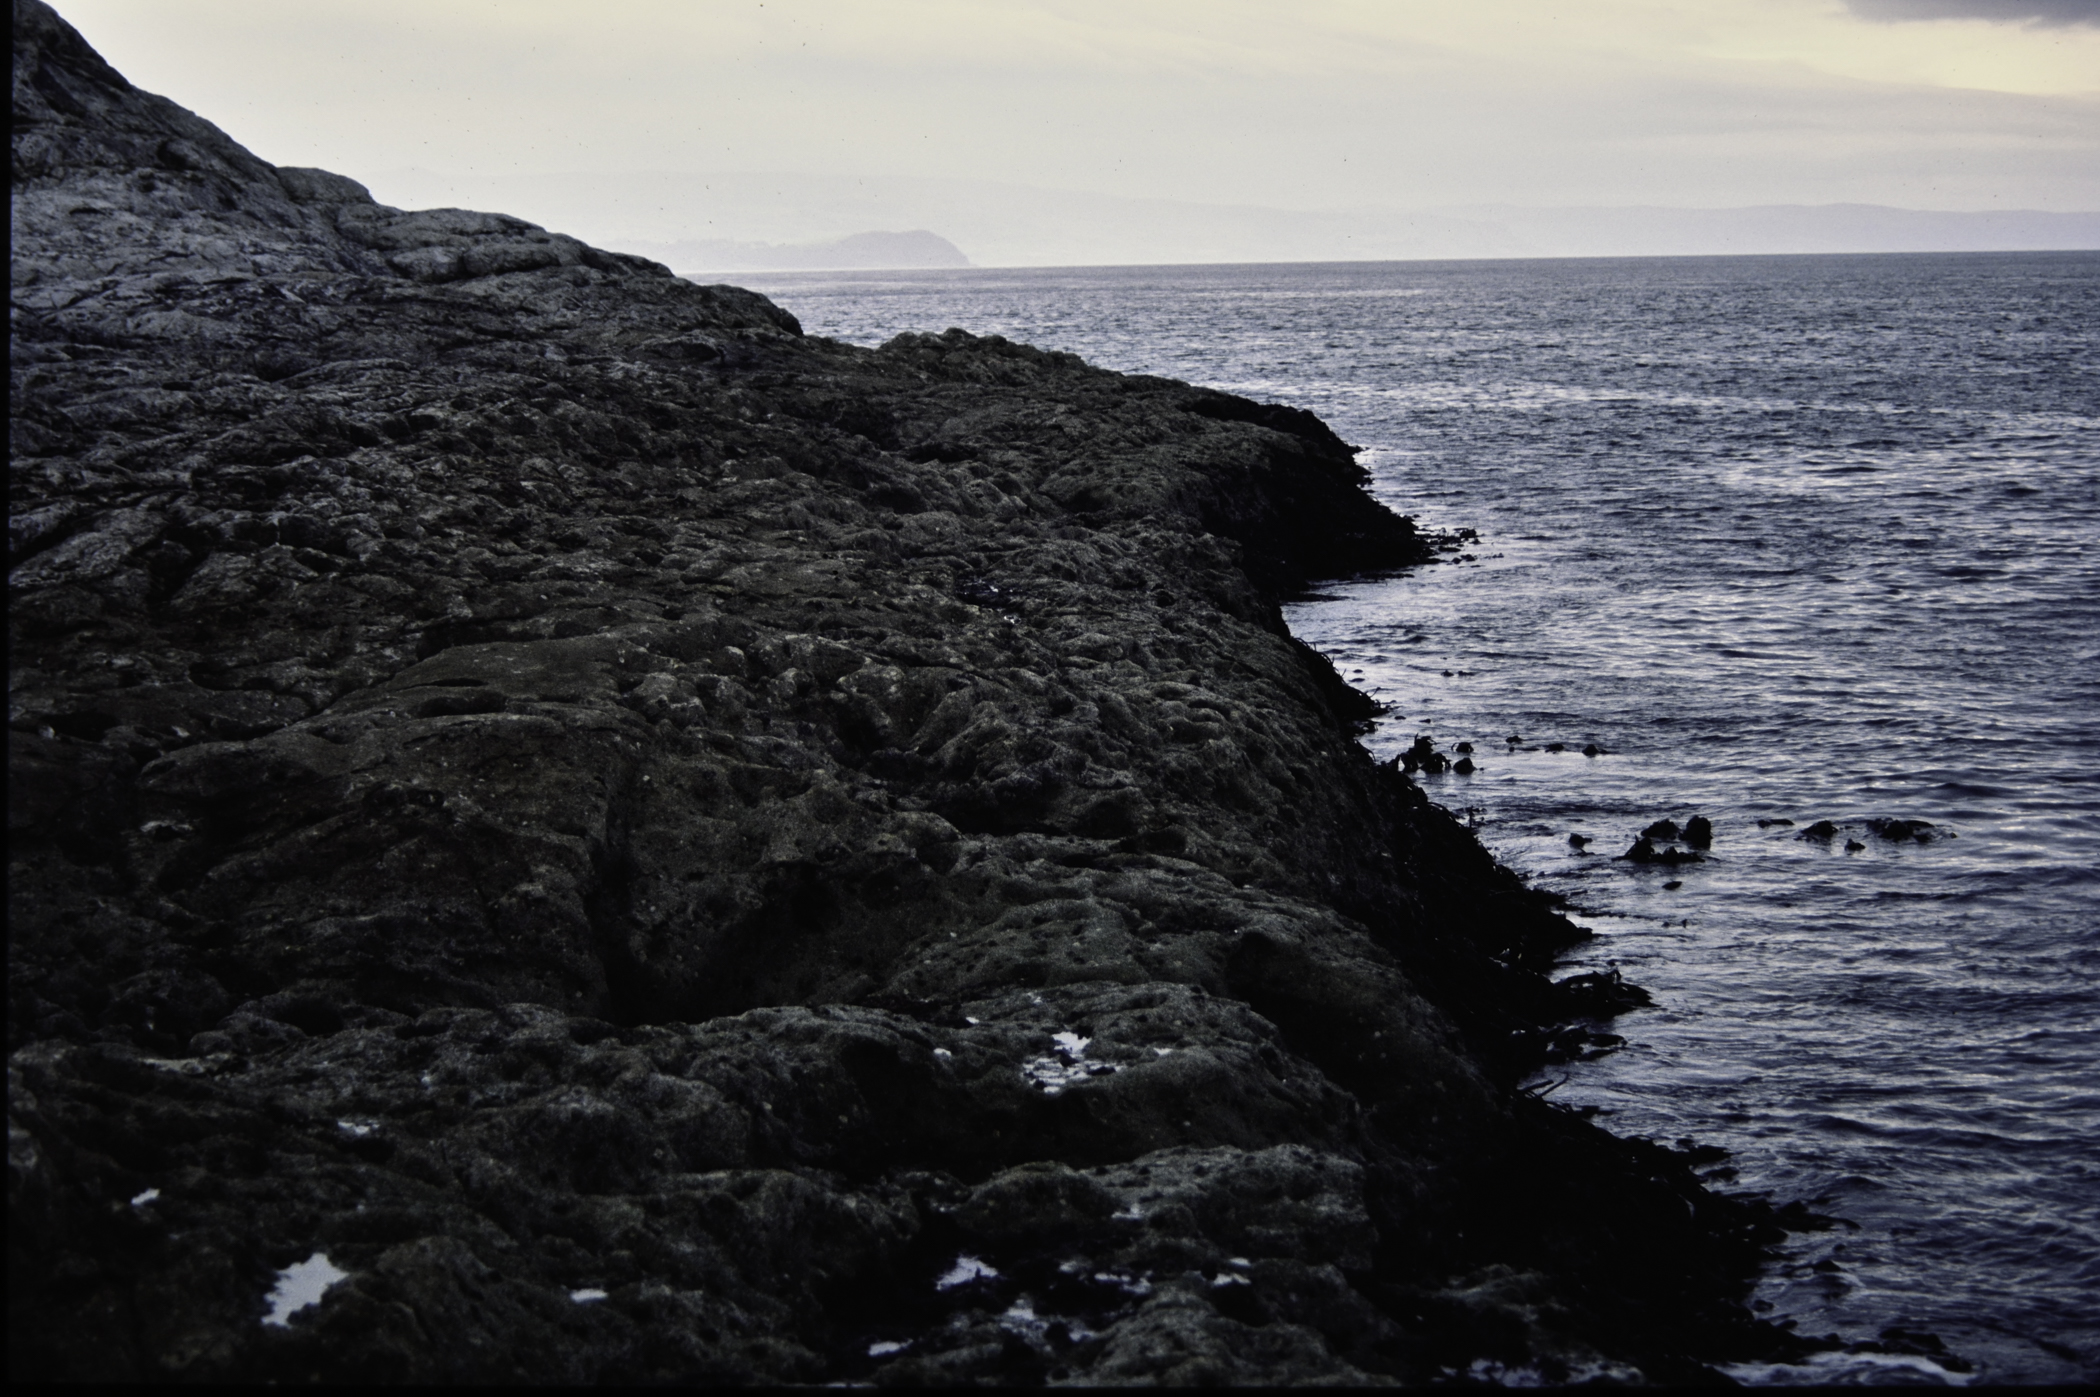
620, 842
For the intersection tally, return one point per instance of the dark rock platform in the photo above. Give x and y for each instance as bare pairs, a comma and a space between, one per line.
669, 849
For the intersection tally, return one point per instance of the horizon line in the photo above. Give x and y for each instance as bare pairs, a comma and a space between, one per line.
1386, 261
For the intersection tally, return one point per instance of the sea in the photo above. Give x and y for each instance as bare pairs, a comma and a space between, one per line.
1802, 545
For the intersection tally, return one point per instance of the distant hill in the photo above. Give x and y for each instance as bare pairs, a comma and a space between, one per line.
1103, 230
860, 251
1016, 225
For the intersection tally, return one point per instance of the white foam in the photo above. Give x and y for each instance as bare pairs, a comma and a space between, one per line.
586, 1295
1849, 1369
884, 1347
300, 1286
141, 1200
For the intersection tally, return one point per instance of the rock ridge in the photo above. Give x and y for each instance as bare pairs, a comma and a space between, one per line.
649, 846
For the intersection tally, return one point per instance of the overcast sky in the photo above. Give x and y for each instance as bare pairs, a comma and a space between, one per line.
1937, 104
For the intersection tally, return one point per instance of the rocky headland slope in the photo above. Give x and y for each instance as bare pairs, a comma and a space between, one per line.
609, 840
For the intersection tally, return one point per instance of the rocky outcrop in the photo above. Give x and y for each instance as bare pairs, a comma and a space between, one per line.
666, 849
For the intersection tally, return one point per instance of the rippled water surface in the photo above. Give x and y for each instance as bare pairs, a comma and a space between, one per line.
1801, 538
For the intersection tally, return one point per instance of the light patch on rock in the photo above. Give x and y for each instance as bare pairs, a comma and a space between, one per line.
186, 1066
141, 1200
587, 1295
1021, 1321
1124, 1281
1068, 1065
301, 1285
965, 1270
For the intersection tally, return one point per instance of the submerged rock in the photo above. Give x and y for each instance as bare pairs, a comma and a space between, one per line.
1423, 756
1643, 850
636, 845
1600, 994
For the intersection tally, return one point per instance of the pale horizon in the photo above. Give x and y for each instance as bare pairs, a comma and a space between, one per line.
1074, 133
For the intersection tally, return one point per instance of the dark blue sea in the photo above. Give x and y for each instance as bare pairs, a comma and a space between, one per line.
1787, 539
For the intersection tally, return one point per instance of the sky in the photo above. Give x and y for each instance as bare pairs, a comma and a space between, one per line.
1312, 105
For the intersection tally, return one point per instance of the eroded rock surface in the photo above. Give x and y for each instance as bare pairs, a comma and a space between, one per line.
667, 849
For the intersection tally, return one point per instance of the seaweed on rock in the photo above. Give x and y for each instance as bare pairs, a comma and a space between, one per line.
612, 840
